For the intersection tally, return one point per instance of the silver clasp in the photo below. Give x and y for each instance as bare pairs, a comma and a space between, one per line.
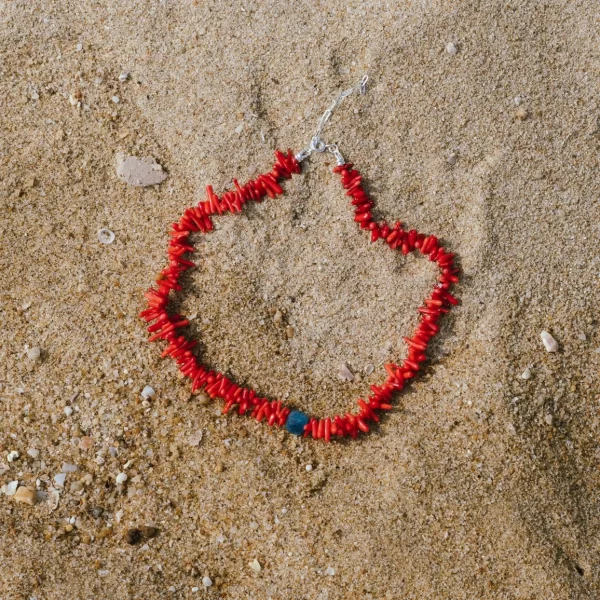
316, 143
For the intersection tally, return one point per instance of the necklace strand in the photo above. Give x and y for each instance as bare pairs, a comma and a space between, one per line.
166, 326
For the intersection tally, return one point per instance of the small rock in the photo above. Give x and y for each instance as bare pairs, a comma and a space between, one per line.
123, 77
140, 172
289, 331
116, 99
133, 536
452, 159
330, 571
549, 342
195, 438
309, 467
60, 479
148, 392
34, 353
277, 317
24, 494
346, 374
12, 456
68, 468
121, 478
76, 486
451, 48
206, 581
85, 443
79, 47
148, 532
33, 452
203, 399
68, 411
11, 488
582, 337
369, 369
219, 468
255, 566
526, 374
549, 419
521, 113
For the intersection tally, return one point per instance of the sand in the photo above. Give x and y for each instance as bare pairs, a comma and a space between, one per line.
480, 484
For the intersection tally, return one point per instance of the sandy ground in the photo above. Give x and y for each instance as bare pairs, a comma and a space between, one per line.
481, 484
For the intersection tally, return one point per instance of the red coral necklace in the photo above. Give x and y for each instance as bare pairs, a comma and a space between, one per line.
167, 326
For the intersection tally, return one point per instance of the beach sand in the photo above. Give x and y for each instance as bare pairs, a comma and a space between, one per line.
480, 483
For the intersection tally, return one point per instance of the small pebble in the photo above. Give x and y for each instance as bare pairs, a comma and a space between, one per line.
309, 467
116, 99
35, 96
68, 468
195, 589
68, 411
346, 374
60, 479
521, 113
85, 443
219, 468
203, 399
121, 478
11, 488
206, 581
549, 419
330, 571
255, 566
369, 369
195, 438
79, 47
106, 236
452, 159
277, 317
24, 494
12, 456
549, 342
123, 77
526, 374
253, 525
33, 452
148, 392
582, 337
133, 536
289, 331
34, 353
451, 48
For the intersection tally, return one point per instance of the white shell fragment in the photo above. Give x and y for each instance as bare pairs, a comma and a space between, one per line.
346, 374
34, 353
549, 342
255, 566
11, 488
140, 172
60, 479
148, 392
526, 374
106, 236
121, 478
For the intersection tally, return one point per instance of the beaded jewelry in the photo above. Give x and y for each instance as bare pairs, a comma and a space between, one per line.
198, 218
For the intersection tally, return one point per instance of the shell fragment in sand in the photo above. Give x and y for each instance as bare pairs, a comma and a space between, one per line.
549, 342
140, 172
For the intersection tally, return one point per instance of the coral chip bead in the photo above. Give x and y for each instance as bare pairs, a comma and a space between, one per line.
296, 422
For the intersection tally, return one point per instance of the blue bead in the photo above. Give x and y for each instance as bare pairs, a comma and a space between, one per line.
296, 422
